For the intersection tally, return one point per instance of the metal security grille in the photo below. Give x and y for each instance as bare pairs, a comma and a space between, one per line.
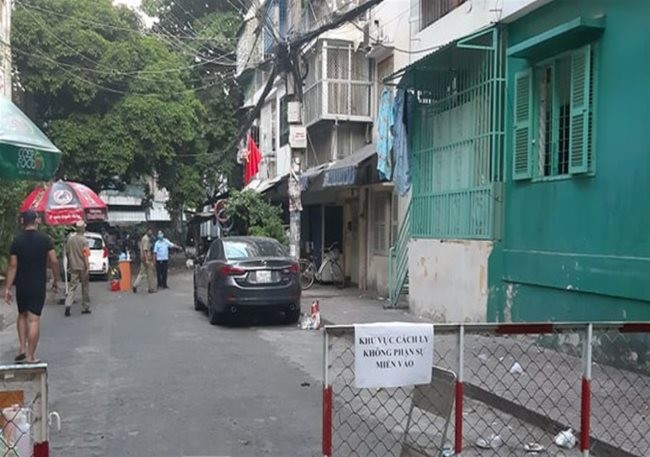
498, 390
458, 141
338, 84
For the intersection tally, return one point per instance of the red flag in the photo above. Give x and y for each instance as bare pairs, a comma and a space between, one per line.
253, 159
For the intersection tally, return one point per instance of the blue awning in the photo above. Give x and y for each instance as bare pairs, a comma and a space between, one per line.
308, 176
344, 171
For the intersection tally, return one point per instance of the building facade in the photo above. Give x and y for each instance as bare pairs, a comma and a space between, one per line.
343, 198
530, 163
576, 244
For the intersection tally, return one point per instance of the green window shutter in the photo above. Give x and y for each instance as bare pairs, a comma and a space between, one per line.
521, 160
579, 128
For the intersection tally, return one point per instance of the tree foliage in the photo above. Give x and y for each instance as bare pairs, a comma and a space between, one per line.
123, 102
11, 194
257, 216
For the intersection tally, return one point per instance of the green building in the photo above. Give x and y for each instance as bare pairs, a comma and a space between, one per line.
531, 168
576, 242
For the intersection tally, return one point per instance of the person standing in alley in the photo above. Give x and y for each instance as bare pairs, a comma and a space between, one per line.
161, 253
78, 252
146, 262
29, 255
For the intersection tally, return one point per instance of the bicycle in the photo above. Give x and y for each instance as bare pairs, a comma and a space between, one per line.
309, 273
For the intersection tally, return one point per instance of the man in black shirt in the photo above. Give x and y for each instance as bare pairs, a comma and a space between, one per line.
30, 253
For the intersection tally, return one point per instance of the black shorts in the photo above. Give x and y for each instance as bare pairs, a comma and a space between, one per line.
30, 300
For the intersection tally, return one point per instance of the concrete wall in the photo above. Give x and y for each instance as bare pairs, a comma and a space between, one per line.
448, 279
467, 18
378, 274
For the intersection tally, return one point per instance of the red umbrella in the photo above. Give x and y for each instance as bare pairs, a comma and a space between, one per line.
65, 203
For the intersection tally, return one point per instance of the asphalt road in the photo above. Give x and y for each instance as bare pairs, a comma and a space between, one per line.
147, 376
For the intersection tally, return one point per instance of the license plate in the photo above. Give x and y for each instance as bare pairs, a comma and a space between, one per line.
263, 276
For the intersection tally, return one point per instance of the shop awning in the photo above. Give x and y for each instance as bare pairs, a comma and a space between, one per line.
264, 185
125, 217
344, 172
310, 175
572, 34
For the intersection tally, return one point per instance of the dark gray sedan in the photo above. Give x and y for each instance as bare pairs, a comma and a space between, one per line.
247, 275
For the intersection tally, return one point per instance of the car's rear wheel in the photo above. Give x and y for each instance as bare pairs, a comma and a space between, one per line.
198, 306
214, 317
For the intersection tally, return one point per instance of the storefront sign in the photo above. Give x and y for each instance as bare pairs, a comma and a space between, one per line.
297, 137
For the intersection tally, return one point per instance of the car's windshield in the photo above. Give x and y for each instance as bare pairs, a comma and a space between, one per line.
95, 243
243, 249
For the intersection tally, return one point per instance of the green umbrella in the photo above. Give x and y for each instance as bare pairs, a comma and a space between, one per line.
25, 152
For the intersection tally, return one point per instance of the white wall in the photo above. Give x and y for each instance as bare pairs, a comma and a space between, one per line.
399, 22
347, 32
284, 160
265, 145
378, 274
448, 279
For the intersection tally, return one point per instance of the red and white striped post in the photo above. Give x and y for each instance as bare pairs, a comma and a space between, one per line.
585, 398
327, 401
458, 429
42, 447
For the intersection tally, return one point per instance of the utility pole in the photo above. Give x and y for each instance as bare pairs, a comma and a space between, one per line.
297, 144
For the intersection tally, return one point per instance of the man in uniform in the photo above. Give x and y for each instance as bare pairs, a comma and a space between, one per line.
161, 253
146, 262
78, 252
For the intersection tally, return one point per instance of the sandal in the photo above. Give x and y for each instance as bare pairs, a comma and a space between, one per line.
20, 358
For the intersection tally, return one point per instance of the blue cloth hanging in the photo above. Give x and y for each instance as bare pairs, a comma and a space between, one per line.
384, 136
402, 169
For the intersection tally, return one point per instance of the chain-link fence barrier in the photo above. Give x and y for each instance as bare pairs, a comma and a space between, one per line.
23, 411
499, 390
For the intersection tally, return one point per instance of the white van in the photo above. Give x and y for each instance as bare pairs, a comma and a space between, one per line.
98, 254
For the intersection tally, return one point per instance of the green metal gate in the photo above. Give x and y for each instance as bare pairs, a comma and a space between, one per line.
458, 139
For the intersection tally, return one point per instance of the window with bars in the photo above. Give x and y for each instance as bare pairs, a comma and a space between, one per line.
394, 219
284, 122
553, 117
432, 10
274, 124
379, 223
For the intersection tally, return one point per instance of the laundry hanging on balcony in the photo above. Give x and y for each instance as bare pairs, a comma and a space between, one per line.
401, 151
384, 136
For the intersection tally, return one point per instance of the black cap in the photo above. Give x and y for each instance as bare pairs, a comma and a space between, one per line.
29, 217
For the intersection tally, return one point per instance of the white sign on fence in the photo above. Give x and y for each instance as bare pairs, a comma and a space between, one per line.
392, 354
